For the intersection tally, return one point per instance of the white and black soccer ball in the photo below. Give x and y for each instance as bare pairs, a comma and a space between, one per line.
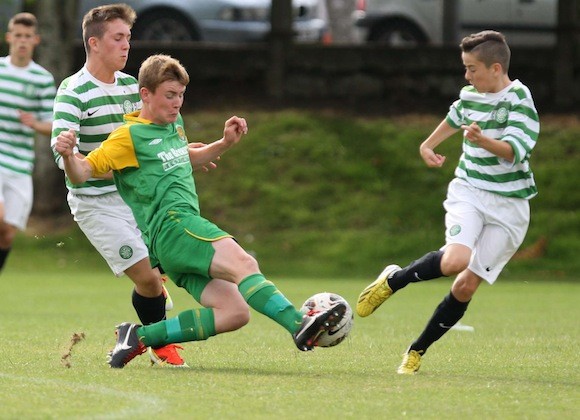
322, 302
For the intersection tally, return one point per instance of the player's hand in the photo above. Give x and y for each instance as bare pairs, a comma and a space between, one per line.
65, 143
472, 132
234, 128
27, 118
432, 159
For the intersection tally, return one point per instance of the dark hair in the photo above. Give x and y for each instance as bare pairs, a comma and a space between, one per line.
489, 46
26, 19
95, 19
161, 68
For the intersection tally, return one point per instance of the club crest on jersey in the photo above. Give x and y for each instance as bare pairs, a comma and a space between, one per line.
454, 230
128, 106
28, 90
126, 252
500, 114
180, 132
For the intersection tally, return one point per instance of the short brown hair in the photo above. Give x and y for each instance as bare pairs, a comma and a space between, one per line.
161, 68
26, 19
95, 19
489, 46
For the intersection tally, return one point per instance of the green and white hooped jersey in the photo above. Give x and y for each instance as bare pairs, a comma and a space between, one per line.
29, 89
92, 109
509, 115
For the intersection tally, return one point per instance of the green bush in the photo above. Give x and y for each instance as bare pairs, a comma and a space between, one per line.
327, 194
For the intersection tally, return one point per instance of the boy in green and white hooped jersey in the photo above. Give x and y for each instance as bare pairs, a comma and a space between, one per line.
152, 166
487, 205
26, 96
92, 103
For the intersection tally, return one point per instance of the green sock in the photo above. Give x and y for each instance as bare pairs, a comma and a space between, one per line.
192, 325
263, 296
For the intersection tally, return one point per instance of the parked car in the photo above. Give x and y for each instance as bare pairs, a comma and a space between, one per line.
230, 21
420, 22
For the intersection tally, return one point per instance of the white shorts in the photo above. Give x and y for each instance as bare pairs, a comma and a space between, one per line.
16, 193
491, 225
110, 226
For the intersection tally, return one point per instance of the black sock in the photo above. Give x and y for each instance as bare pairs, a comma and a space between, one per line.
425, 268
149, 310
3, 255
449, 311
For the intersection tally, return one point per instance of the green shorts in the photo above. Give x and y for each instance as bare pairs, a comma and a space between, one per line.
184, 249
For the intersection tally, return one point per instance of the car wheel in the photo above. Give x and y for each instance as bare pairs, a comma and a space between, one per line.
164, 26
398, 34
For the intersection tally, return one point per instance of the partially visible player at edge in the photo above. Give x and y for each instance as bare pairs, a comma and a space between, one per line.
27, 93
152, 167
92, 103
487, 205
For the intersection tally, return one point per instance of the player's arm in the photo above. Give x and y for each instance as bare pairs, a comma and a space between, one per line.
77, 169
30, 120
205, 155
67, 116
195, 160
499, 148
427, 148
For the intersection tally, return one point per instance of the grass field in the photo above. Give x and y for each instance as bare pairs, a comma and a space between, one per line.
519, 363
339, 203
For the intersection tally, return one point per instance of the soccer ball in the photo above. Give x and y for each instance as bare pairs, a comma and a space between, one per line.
322, 302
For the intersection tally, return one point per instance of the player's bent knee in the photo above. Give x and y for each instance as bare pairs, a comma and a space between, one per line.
464, 288
237, 317
147, 285
7, 238
453, 264
248, 263
242, 318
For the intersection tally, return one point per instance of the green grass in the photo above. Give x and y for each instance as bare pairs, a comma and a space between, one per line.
520, 362
316, 196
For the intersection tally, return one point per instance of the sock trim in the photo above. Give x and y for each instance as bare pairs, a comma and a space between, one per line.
173, 328
276, 303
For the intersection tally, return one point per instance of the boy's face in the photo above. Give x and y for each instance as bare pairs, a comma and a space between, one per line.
22, 40
484, 79
113, 48
164, 104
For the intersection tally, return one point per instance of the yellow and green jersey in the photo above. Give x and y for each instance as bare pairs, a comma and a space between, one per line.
510, 116
151, 169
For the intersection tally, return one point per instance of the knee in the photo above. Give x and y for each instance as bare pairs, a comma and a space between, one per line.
247, 263
7, 236
454, 262
238, 315
465, 286
149, 285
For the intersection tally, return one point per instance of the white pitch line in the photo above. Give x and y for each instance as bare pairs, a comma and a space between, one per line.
144, 404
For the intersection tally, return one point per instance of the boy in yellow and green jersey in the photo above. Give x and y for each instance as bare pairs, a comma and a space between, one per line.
152, 165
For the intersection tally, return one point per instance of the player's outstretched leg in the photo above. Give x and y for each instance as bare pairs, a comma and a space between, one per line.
376, 293
315, 323
128, 345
